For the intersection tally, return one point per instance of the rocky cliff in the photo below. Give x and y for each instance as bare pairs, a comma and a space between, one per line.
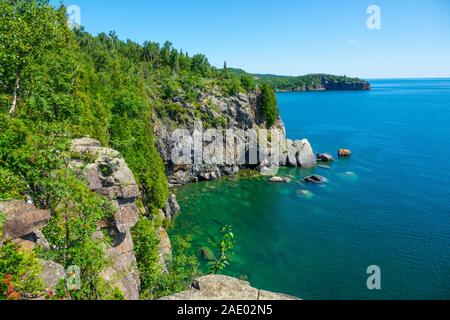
108, 175
242, 111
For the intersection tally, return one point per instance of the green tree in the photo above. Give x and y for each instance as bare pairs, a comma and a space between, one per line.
269, 106
32, 38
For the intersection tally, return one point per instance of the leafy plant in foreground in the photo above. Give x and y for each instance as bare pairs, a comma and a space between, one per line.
225, 251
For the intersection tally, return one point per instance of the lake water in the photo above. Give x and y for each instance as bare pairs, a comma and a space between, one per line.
388, 205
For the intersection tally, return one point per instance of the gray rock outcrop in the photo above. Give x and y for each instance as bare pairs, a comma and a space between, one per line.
218, 287
51, 274
240, 112
108, 174
24, 223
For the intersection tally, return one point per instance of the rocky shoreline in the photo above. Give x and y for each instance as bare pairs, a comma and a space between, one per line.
241, 112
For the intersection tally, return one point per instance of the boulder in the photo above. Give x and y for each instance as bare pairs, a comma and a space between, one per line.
291, 160
22, 219
218, 287
325, 157
172, 207
305, 154
344, 153
51, 274
108, 174
164, 248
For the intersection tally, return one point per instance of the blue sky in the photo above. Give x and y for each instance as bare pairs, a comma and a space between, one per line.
289, 37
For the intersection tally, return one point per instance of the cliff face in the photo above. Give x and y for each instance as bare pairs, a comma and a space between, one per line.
108, 175
242, 111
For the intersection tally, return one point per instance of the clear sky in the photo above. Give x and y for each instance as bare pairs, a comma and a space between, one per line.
289, 37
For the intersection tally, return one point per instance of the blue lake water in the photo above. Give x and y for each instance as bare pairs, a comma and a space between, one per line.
388, 205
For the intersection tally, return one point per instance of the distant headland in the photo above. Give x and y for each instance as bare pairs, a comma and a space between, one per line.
310, 82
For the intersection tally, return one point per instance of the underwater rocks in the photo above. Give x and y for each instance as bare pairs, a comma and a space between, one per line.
315, 179
280, 180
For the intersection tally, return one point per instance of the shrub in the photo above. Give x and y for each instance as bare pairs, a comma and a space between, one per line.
19, 273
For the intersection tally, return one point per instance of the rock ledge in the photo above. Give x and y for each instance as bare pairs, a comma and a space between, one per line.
217, 287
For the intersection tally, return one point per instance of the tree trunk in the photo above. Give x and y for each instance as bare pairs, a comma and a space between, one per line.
16, 89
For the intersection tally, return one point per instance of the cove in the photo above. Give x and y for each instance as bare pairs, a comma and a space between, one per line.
388, 205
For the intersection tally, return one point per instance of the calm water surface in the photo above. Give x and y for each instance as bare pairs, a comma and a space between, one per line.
389, 205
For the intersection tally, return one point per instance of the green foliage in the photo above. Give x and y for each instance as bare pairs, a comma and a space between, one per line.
19, 273
37, 59
156, 283
147, 255
76, 212
231, 86
269, 106
11, 186
248, 83
224, 248
182, 268
67, 84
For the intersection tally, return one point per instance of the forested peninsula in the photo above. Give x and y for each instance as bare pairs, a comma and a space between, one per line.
310, 82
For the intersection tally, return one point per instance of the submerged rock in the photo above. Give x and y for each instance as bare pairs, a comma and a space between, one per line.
279, 180
305, 193
316, 179
206, 254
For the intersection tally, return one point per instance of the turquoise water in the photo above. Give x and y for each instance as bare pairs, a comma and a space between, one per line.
388, 205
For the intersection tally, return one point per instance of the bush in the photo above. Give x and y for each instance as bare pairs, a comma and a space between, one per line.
19, 273
155, 283
11, 186
248, 83
147, 256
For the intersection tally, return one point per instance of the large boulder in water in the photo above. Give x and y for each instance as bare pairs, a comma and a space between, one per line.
325, 157
305, 155
344, 153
